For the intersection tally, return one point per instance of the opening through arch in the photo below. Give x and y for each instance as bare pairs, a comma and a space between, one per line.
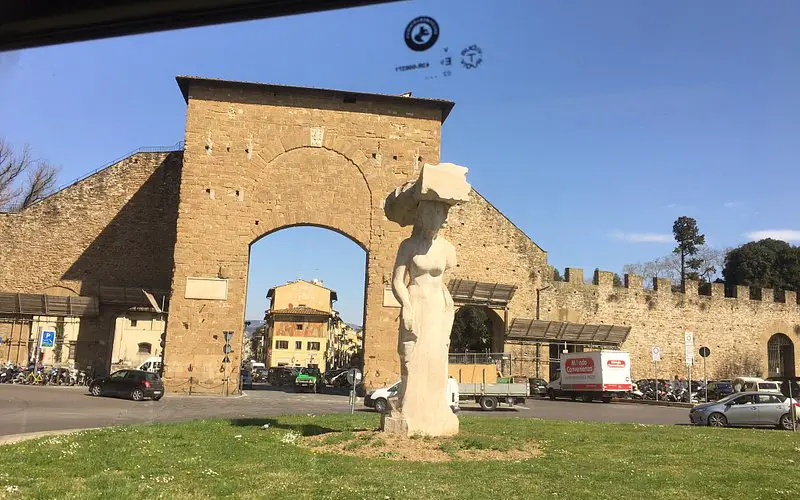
305, 303
780, 356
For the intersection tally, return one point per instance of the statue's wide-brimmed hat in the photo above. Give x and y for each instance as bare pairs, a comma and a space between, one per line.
445, 182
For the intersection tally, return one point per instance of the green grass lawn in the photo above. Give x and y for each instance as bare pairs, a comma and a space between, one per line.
237, 459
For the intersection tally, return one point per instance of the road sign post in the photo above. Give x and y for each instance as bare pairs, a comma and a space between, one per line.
688, 339
354, 377
227, 349
656, 352
704, 353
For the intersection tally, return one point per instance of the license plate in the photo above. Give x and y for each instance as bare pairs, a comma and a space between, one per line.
156, 392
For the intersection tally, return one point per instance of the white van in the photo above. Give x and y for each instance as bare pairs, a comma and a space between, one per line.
748, 384
152, 364
380, 398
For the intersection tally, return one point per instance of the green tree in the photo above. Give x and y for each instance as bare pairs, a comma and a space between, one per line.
618, 281
689, 240
766, 263
472, 330
557, 275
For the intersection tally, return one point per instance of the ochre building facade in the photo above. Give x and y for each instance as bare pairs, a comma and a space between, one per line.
260, 158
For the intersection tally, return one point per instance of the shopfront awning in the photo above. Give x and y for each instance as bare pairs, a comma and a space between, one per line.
468, 292
540, 331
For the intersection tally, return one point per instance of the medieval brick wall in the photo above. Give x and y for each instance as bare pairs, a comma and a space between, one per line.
732, 327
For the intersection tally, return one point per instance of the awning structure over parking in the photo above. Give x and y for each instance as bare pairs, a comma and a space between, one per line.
539, 331
468, 292
32, 304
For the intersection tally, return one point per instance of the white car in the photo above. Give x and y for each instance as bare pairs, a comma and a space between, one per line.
755, 384
379, 399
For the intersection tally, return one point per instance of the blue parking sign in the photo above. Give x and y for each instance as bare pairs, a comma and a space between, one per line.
48, 339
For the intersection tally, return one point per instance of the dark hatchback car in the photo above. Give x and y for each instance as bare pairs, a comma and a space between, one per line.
134, 384
281, 376
718, 390
538, 387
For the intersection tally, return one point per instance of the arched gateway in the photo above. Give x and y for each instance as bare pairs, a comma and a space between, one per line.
258, 158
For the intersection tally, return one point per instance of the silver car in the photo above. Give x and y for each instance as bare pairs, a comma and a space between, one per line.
747, 409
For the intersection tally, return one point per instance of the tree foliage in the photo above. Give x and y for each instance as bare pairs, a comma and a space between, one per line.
689, 239
472, 330
24, 180
766, 263
669, 266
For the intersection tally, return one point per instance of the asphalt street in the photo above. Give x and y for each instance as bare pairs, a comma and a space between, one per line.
25, 409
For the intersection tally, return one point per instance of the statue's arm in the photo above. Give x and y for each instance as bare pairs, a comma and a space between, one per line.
399, 287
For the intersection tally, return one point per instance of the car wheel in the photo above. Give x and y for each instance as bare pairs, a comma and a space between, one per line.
156, 398
137, 395
785, 422
606, 399
551, 394
488, 404
381, 405
717, 420
96, 390
586, 398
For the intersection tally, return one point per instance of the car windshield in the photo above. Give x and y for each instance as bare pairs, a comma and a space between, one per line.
726, 399
309, 371
768, 386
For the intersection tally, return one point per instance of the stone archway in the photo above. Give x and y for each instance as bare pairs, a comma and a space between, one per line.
477, 329
780, 356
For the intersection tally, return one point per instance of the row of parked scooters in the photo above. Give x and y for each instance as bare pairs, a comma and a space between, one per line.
31, 375
667, 390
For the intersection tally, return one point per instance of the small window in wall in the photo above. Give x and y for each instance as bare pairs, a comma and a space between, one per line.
283, 364
298, 344
281, 344
298, 326
145, 348
134, 323
313, 346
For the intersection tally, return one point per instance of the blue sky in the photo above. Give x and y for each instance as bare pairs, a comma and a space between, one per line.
592, 125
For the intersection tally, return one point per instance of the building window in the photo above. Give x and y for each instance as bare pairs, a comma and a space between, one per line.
298, 344
298, 326
313, 346
281, 344
71, 354
134, 323
145, 348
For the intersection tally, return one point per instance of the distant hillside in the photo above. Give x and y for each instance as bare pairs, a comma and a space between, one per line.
355, 326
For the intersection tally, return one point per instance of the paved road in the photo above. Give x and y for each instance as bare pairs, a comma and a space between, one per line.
26, 409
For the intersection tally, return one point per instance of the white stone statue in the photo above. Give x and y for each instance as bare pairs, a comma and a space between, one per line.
427, 307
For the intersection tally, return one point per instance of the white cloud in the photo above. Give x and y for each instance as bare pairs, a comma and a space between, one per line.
642, 237
732, 204
775, 234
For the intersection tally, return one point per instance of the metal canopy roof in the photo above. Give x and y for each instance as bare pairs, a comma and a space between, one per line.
532, 330
468, 292
31, 304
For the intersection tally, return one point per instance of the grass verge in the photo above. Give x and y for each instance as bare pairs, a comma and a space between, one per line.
239, 459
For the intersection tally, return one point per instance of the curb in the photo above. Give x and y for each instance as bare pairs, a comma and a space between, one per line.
18, 438
655, 403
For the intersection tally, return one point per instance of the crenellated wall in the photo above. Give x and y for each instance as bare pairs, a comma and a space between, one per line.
738, 326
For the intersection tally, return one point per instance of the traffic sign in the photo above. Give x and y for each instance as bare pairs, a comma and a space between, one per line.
705, 352
656, 352
48, 338
353, 376
228, 336
688, 340
227, 349
225, 360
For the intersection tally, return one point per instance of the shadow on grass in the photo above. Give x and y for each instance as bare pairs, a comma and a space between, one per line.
304, 429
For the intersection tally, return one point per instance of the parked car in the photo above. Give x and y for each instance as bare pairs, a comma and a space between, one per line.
718, 390
751, 384
134, 384
786, 383
335, 378
379, 399
259, 374
151, 364
538, 387
747, 409
281, 376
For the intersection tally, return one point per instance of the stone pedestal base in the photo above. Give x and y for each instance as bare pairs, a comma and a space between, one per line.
394, 424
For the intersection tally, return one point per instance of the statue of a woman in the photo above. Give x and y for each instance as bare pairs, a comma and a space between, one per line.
427, 312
